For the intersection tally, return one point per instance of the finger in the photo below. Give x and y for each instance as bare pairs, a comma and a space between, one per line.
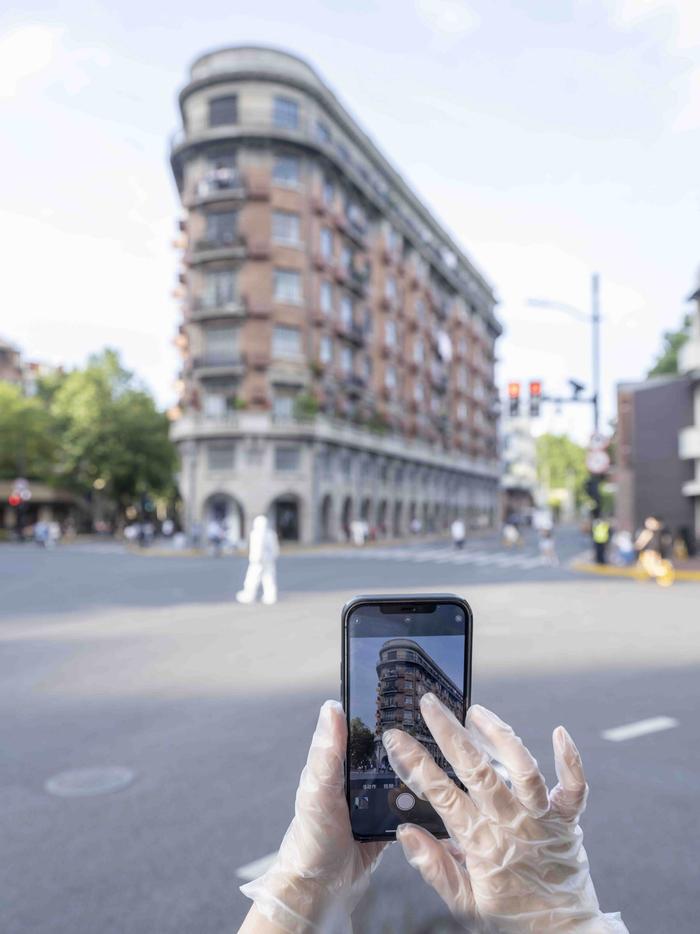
526, 779
487, 789
438, 867
568, 797
416, 767
323, 774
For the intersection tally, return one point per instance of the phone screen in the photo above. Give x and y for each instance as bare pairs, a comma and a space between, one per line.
396, 652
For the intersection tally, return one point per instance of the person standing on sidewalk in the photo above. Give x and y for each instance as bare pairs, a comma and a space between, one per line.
262, 558
458, 532
601, 537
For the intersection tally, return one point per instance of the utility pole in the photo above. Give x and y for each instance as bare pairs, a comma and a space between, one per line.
595, 349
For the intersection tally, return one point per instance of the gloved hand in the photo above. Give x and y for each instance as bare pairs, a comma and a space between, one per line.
519, 861
320, 870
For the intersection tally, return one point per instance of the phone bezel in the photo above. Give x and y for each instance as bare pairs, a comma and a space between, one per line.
362, 600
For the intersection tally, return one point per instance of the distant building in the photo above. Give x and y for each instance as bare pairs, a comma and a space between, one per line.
406, 672
338, 346
519, 479
10, 363
689, 438
650, 476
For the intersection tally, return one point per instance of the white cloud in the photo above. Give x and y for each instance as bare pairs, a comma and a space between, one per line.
683, 14
25, 52
447, 17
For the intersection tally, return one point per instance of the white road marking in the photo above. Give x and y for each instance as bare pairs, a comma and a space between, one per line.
640, 728
256, 868
470, 555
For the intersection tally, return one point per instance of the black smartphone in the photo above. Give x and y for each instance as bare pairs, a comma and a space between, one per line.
395, 649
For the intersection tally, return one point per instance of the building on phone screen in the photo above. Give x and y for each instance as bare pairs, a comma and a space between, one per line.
337, 345
405, 672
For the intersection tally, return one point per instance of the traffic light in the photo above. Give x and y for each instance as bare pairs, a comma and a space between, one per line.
514, 397
14, 499
535, 397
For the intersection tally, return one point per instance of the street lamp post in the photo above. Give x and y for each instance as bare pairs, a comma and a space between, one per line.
593, 319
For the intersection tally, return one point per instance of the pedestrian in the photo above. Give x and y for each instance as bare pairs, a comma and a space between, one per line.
548, 549
624, 547
262, 557
516, 860
215, 535
601, 536
650, 547
458, 532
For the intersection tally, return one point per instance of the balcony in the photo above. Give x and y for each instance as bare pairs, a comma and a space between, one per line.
689, 443
205, 251
358, 279
210, 365
355, 385
203, 309
352, 332
224, 184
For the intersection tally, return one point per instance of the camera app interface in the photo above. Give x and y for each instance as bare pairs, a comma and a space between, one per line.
395, 658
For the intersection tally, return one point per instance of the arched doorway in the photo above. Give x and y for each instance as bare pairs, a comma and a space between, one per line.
326, 526
396, 529
228, 512
382, 517
366, 509
286, 517
346, 516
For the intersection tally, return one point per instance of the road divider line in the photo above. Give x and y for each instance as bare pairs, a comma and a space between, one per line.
617, 734
256, 868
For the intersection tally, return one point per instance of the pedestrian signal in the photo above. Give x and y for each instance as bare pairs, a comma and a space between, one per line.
535, 397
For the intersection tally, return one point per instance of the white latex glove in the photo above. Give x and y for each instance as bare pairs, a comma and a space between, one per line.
519, 862
320, 872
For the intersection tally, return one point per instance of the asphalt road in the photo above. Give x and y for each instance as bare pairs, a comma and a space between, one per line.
114, 659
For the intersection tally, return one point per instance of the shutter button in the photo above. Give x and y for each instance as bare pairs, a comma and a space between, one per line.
405, 801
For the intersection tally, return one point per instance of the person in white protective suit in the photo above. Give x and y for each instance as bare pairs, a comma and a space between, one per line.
262, 556
515, 861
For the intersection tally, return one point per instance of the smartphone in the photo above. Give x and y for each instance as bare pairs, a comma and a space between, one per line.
395, 649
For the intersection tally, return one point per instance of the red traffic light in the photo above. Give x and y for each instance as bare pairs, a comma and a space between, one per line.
513, 390
535, 388
14, 499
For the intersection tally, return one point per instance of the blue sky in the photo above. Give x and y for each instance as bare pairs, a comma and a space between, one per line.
446, 651
552, 139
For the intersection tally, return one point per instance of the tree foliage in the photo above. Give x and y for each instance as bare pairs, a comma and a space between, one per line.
361, 744
28, 445
110, 429
667, 361
561, 464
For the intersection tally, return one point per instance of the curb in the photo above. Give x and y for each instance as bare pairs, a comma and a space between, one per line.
609, 570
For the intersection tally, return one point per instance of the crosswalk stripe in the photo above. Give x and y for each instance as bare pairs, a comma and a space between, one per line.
471, 555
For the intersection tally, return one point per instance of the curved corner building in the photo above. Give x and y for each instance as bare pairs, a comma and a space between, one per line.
338, 347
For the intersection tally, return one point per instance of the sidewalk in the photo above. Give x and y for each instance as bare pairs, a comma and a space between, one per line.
688, 570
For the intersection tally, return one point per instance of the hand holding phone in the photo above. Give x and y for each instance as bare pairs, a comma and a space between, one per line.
395, 649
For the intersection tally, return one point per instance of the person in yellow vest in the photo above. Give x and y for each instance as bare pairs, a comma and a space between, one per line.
601, 537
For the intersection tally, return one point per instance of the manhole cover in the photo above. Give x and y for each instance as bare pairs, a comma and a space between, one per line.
79, 783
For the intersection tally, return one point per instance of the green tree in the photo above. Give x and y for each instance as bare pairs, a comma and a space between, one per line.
361, 744
28, 445
561, 464
111, 431
667, 361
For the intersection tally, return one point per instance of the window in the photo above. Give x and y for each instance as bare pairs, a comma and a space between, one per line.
390, 378
286, 171
366, 368
390, 288
418, 393
288, 286
323, 133
420, 312
418, 351
223, 110
285, 113
221, 227
221, 342
283, 403
285, 227
219, 288
462, 411
408, 716
391, 656
326, 349
390, 333
214, 405
345, 258
326, 243
287, 457
346, 311
328, 192
346, 360
326, 298
286, 342
220, 455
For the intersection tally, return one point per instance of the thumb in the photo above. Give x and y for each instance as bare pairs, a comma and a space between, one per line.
439, 868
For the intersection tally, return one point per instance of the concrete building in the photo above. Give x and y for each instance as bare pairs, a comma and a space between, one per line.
519, 479
338, 347
689, 438
650, 476
406, 672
